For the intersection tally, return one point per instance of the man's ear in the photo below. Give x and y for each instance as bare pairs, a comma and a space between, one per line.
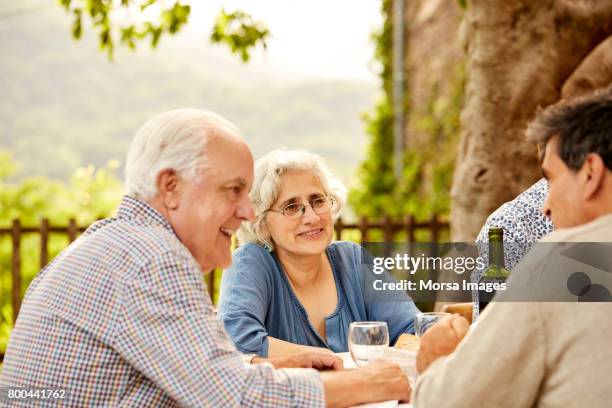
593, 170
168, 187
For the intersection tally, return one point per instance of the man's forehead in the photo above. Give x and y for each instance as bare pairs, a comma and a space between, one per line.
222, 149
545, 156
551, 148
227, 174
240, 181
218, 141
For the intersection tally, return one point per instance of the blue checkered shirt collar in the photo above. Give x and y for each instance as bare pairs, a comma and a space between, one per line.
134, 209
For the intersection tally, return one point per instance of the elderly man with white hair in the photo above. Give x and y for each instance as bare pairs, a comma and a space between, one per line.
122, 317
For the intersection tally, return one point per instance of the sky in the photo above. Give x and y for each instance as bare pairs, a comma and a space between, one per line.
326, 39
323, 38
316, 48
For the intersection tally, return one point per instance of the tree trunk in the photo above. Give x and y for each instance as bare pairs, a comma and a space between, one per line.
593, 73
430, 25
435, 77
519, 54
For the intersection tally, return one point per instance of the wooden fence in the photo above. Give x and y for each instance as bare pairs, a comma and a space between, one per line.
390, 229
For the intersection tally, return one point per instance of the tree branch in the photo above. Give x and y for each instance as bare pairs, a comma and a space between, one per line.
580, 27
594, 72
593, 13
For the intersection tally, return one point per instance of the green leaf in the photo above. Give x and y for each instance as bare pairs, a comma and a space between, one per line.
146, 4
173, 16
239, 32
423, 189
77, 29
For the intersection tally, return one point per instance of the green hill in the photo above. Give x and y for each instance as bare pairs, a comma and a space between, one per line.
63, 104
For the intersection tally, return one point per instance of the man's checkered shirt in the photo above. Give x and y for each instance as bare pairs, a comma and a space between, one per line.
122, 318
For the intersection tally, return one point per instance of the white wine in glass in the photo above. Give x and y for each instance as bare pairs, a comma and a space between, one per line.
367, 341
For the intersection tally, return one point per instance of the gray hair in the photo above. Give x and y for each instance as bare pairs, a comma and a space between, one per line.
171, 140
266, 187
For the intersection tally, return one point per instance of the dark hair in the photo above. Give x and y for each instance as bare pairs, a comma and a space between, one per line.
584, 126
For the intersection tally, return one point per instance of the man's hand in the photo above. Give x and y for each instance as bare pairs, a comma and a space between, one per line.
307, 359
378, 381
441, 340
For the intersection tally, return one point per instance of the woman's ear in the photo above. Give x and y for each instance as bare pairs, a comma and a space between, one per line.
263, 229
169, 186
593, 170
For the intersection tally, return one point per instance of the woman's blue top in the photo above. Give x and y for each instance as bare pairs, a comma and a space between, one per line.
258, 301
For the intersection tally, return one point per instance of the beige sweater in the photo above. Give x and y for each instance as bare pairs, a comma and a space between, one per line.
530, 354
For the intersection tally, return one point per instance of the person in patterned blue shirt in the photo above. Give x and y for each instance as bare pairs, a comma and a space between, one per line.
524, 224
122, 316
522, 219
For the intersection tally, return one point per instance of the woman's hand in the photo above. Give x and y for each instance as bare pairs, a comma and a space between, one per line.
308, 359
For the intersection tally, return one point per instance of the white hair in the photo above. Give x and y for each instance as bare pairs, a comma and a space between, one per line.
171, 140
266, 188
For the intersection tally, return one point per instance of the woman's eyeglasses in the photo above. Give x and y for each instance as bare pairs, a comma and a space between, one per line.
319, 205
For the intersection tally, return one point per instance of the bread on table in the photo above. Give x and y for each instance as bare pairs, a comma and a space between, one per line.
408, 342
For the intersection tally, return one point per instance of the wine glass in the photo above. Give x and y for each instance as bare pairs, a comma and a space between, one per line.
367, 341
424, 321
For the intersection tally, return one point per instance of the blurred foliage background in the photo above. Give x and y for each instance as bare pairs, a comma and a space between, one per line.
424, 189
87, 195
69, 111
78, 111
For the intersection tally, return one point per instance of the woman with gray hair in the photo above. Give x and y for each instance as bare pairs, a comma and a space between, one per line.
290, 287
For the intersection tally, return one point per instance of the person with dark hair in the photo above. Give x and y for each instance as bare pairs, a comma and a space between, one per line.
579, 135
547, 354
522, 219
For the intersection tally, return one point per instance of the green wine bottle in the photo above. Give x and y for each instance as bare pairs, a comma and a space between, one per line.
496, 272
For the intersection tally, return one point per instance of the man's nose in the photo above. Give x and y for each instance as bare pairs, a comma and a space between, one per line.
246, 212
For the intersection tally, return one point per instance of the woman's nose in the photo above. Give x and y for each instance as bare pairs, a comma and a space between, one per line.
309, 215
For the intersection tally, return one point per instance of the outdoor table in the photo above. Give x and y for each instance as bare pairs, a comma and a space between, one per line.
349, 363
